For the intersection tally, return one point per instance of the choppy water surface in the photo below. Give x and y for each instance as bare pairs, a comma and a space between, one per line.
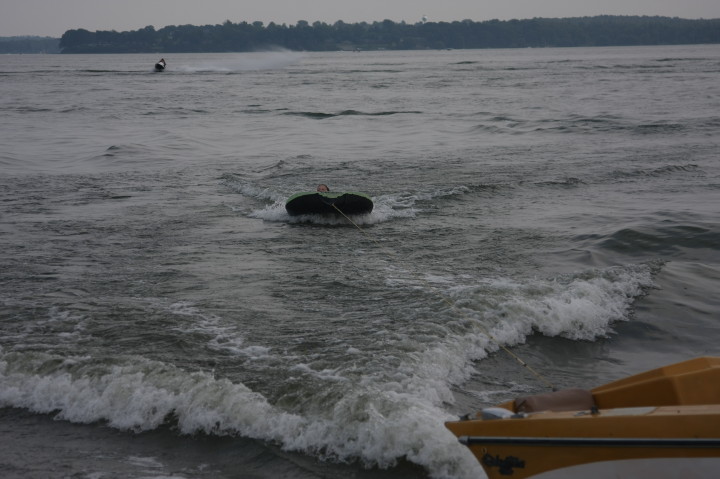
162, 316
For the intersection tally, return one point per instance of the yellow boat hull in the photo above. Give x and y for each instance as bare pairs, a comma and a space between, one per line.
666, 420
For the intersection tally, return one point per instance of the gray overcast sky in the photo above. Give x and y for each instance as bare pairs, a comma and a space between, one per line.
54, 17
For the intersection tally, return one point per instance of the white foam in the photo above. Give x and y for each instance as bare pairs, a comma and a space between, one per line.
221, 337
371, 422
136, 394
495, 312
387, 207
581, 306
377, 414
325, 374
382, 212
578, 307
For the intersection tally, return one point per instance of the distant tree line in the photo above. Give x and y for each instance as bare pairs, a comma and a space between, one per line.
537, 32
29, 45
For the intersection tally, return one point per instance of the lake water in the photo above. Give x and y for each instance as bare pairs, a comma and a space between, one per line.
163, 317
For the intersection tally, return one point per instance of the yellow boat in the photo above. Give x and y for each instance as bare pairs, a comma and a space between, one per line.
663, 423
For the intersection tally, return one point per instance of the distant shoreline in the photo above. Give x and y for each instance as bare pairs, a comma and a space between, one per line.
604, 30
29, 44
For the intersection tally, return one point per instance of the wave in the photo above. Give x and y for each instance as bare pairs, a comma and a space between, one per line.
579, 306
382, 402
565, 182
125, 154
572, 124
11, 162
131, 394
175, 112
321, 115
659, 171
26, 109
601, 124
140, 395
668, 240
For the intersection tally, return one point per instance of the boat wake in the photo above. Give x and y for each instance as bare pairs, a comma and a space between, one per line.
383, 211
267, 60
378, 400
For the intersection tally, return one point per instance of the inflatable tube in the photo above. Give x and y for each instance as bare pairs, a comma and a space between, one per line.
313, 203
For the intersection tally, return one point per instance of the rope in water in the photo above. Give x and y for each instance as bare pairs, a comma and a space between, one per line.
454, 307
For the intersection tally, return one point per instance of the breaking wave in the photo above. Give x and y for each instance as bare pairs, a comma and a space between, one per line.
375, 405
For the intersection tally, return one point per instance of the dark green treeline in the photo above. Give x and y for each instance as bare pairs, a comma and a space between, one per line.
389, 35
29, 44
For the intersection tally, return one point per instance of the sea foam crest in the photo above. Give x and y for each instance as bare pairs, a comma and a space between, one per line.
373, 422
491, 313
135, 395
579, 306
